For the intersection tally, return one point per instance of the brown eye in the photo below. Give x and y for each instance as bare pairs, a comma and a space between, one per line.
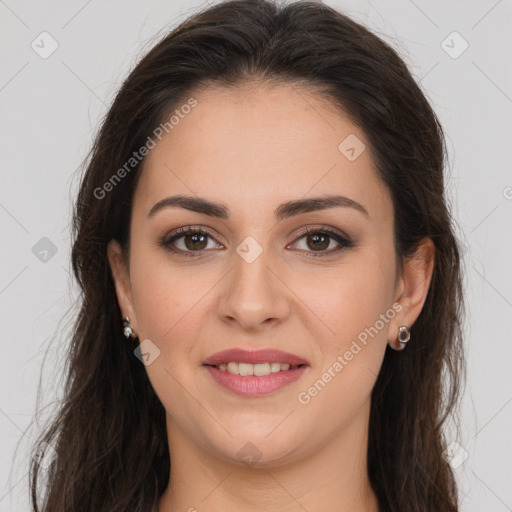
318, 240
194, 241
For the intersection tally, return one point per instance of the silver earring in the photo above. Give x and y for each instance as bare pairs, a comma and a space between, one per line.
404, 335
127, 330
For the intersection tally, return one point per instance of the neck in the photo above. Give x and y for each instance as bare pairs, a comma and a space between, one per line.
333, 477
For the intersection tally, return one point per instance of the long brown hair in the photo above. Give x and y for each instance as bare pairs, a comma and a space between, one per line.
109, 435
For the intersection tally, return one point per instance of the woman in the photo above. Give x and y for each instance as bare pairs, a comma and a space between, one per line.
271, 310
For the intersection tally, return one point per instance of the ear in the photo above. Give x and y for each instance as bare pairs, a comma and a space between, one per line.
121, 277
412, 288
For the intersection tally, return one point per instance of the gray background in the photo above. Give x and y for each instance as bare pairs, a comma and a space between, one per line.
51, 107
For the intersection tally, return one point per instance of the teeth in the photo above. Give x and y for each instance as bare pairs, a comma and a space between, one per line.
275, 367
259, 369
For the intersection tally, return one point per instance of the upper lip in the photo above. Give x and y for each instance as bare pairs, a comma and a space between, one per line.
264, 355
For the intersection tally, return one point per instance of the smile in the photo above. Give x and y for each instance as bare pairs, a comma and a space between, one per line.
259, 369
250, 385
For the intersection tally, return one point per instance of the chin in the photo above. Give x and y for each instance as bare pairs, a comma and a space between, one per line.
251, 450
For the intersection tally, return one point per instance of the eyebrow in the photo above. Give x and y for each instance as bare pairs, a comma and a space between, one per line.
283, 211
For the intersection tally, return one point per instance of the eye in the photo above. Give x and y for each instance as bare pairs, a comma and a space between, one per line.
320, 239
194, 241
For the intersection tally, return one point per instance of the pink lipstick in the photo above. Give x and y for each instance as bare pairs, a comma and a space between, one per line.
255, 373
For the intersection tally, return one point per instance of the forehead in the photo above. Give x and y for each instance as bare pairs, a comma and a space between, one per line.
253, 147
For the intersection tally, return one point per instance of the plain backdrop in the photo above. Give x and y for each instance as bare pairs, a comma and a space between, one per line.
53, 95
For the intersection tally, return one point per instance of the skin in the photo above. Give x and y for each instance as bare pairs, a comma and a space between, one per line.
253, 148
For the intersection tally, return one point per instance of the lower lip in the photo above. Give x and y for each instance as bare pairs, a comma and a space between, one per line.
255, 386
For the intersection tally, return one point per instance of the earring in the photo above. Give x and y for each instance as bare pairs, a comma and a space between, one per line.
404, 335
127, 330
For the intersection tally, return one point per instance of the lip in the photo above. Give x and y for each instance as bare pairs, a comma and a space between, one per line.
264, 355
251, 386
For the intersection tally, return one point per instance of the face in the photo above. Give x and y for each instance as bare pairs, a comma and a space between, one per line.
254, 280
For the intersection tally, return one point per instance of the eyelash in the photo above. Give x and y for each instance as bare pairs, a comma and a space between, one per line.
345, 242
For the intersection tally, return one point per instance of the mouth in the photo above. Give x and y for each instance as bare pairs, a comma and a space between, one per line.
249, 359
255, 380
255, 373
255, 369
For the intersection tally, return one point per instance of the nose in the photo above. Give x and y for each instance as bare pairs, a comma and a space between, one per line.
253, 295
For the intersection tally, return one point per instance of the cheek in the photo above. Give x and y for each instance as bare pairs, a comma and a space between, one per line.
369, 300
169, 300
347, 300
351, 355
158, 293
